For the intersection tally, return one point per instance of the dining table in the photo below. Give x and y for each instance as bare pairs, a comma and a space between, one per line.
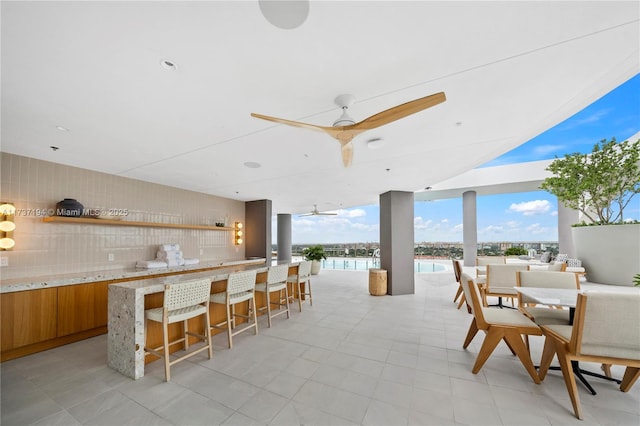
564, 297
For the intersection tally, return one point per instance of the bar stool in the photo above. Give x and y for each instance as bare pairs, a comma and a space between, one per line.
182, 301
276, 282
302, 277
240, 288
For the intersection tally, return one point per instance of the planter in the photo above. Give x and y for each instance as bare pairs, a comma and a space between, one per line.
610, 254
315, 267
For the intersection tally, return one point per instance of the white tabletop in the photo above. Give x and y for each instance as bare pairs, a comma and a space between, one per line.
551, 296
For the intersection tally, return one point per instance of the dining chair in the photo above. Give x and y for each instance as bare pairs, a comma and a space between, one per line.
240, 288
500, 282
481, 264
182, 301
498, 324
606, 329
301, 282
457, 271
276, 283
545, 279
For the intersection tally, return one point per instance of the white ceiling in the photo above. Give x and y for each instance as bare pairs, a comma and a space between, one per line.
510, 71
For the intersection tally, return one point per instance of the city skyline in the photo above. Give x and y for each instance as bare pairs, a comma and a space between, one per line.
526, 216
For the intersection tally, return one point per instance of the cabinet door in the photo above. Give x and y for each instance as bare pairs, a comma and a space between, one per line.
82, 307
28, 317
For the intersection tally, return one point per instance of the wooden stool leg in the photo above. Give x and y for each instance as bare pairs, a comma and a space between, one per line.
229, 331
267, 297
165, 337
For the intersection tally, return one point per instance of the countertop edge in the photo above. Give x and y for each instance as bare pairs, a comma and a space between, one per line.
19, 284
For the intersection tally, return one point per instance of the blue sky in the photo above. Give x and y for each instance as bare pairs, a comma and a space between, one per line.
529, 216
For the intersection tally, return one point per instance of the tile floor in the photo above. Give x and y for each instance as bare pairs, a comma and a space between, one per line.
350, 359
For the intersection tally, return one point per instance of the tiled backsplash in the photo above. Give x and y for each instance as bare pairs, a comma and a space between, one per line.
35, 186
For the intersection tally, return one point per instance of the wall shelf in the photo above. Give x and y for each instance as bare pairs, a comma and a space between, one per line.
91, 221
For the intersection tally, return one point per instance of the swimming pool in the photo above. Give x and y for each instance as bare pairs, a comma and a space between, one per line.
359, 264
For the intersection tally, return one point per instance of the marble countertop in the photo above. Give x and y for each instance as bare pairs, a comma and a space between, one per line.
33, 283
156, 285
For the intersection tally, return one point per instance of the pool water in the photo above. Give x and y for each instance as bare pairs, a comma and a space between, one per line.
365, 264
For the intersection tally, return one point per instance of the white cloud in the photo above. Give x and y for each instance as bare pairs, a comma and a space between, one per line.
537, 229
492, 229
593, 118
351, 213
513, 224
419, 223
545, 150
530, 208
458, 228
445, 221
554, 213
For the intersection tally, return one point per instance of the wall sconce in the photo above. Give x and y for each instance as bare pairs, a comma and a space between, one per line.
7, 225
238, 233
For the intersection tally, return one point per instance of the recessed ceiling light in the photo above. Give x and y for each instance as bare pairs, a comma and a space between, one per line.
252, 165
285, 14
458, 123
62, 129
168, 65
375, 143
54, 148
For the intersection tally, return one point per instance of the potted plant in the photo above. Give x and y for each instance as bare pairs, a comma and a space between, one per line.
601, 185
315, 254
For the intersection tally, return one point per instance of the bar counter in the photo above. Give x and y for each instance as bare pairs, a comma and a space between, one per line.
126, 324
41, 313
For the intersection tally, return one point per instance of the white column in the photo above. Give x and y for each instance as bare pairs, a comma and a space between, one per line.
284, 238
396, 241
469, 228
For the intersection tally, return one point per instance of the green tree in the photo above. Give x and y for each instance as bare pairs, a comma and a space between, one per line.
600, 184
515, 251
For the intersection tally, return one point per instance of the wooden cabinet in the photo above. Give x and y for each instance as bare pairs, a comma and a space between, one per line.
28, 317
82, 307
36, 320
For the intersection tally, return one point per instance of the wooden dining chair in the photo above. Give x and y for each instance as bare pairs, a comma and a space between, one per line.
606, 329
500, 282
543, 315
457, 271
498, 324
482, 262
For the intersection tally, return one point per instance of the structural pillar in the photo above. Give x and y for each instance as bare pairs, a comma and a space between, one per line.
566, 217
396, 241
284, 238
469, 228
257, 229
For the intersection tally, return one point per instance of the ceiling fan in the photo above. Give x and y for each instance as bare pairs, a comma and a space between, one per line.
315, 212
344, 129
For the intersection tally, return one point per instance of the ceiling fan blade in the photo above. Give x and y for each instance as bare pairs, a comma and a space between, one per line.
398, 112
294, 123
347, 153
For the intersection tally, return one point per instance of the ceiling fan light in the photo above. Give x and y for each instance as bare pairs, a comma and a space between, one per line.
344, 120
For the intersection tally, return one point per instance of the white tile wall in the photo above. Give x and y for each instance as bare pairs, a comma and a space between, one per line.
52, 248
